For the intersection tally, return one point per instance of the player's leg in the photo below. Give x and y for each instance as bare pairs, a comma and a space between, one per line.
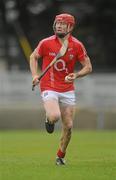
52, 114
52, 109
51, 106
67, 109
67, 113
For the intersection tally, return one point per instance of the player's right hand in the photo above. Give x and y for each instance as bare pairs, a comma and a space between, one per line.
35, 80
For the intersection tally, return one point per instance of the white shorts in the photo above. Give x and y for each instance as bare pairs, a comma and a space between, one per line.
63, 98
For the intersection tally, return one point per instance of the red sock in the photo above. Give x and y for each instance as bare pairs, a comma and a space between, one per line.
60, 154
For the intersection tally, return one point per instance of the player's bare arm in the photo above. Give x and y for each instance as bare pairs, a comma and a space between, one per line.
34, 66
86, 69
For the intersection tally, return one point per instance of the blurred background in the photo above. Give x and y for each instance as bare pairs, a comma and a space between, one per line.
22, 24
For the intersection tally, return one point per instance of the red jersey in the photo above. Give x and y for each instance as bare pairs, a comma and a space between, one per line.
54, 79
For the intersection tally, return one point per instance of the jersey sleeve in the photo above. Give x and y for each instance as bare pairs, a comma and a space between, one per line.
81, 52
40, 48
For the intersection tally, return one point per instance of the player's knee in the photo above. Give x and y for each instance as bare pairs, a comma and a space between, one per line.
54, 117
69, 125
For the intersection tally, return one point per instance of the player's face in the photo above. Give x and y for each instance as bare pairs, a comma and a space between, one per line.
61, 27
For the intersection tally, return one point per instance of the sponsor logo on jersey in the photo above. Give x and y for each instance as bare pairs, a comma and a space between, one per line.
60, 65
52, 54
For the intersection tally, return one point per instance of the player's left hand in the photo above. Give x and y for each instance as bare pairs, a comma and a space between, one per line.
70, 78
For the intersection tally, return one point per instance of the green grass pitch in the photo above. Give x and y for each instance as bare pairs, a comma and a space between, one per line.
30, 155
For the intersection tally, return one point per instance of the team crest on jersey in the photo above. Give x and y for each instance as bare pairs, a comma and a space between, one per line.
70, 49
71, 56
